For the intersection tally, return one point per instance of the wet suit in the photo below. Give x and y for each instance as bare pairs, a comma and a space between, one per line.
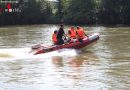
60, 34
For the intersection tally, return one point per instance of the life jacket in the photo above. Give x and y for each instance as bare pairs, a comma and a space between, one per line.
80, 33
54, 38
72, 33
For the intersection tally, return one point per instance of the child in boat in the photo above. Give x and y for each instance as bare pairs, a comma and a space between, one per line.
72, 34
54, 37
80, 33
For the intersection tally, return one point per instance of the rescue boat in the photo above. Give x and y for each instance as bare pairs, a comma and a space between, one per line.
41, 48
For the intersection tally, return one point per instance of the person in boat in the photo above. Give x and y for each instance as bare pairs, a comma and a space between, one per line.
72, 34
80, 33
60, 35
54, 37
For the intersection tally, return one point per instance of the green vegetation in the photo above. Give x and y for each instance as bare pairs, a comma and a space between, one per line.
68, 11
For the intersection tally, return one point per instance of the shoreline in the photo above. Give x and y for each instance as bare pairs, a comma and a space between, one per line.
90, 25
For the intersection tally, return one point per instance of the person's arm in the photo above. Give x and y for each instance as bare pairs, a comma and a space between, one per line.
85, 34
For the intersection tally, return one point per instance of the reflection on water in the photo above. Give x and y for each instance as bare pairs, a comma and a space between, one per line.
105, 66
76, 68
57, 61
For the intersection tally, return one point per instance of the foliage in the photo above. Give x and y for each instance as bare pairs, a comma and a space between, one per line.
81, 11
68, 11
31, 12
115, 12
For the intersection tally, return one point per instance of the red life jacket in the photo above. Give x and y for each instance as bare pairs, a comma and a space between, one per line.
80, 33
72, 33
54, 38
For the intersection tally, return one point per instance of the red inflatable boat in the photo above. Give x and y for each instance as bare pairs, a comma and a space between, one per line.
40, 48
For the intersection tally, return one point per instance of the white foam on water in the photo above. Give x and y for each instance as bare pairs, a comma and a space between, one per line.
23, 53
62, 52
13, 53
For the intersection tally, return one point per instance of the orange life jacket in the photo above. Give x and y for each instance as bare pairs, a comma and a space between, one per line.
80, 33
54, 38
72, 33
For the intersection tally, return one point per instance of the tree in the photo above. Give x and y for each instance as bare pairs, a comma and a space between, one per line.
115, 11
31, 11
80, 11
59, 12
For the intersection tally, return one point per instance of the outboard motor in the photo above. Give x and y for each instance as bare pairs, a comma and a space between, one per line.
94, 36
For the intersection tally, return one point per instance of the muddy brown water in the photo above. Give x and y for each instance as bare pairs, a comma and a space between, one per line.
104, 66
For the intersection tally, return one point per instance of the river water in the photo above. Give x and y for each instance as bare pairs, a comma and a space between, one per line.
104, 66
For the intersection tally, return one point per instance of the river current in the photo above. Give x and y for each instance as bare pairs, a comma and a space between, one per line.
104, 66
